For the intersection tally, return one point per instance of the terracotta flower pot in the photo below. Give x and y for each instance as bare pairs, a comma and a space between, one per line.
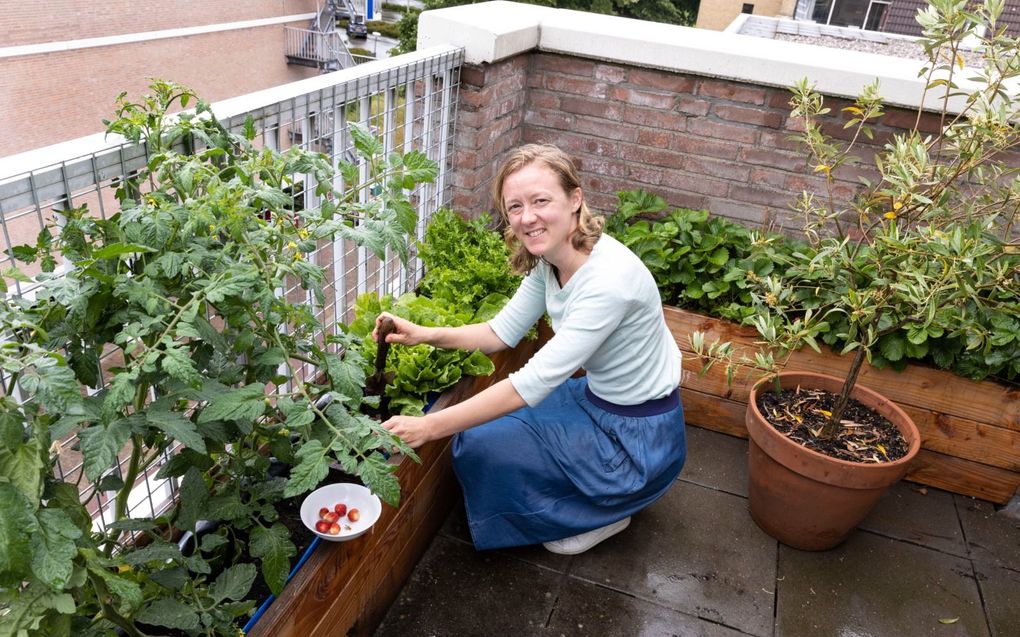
806, 499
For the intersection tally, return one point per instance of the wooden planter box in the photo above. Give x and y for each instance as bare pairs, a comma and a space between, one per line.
970, 430
345, 588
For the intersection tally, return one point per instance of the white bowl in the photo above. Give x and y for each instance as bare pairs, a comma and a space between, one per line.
354, 496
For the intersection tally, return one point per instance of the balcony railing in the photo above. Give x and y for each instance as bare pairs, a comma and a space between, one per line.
409, 102
315, 48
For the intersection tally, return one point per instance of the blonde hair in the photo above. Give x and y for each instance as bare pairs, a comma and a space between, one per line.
589, 226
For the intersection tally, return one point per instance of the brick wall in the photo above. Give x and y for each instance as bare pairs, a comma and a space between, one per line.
53, 97
57, 20
491, 112
699, 142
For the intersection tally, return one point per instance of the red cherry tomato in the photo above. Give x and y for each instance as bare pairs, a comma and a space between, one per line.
353, 515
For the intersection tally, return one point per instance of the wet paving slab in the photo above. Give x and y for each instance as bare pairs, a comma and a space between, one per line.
692, 551
925, 562
456, 590
583, 609
872, 585
919, 515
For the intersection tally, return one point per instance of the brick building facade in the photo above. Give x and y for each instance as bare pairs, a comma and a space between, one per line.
62, 63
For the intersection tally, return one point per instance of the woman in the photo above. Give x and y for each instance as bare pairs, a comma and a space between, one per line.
541, 456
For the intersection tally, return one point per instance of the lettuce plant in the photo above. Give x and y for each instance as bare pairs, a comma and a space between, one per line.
421, 371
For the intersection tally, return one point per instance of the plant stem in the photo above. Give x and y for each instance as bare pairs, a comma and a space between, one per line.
844, 396
120, 508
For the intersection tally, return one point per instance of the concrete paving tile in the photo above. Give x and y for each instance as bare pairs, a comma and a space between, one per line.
584, 609
922, 515
993, 537
872, 585
456, 527
716, 460
457, 591
697, 551
1000, 588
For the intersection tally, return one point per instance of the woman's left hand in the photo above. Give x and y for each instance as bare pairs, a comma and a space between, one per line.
413, 430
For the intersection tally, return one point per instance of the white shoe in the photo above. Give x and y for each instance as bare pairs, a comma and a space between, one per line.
581, 543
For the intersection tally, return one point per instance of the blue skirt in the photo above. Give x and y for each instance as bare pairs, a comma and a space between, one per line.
572, 464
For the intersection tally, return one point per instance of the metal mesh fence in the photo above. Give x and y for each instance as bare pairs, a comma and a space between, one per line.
409, 102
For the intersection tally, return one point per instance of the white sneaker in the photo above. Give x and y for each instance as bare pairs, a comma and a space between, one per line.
581, 543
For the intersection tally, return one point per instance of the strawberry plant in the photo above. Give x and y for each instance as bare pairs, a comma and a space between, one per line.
165, 332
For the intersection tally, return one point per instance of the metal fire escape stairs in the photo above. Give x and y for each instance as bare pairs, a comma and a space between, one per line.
320, 45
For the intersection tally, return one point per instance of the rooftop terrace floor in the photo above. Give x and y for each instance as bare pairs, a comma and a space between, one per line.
926, 562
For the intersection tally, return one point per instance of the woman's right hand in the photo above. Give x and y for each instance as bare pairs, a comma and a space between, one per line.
405, 332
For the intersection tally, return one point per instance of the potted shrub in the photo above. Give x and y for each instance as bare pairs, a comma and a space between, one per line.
928, 249
166, 331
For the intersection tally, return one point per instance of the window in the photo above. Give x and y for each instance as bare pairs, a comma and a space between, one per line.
876, 15
863, 14
747, 8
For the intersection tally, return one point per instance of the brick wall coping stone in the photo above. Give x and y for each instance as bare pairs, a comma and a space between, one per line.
46, 156
146, 36
492, 31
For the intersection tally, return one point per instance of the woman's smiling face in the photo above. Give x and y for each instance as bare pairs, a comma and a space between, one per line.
541, 215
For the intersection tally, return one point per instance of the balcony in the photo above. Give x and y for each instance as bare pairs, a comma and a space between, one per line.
700, 118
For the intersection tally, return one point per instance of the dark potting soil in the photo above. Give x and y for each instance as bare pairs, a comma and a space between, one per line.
864, 435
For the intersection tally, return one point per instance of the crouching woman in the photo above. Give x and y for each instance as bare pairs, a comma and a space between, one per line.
542, 456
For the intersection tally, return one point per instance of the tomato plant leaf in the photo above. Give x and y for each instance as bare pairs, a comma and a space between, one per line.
54, 548
170, 613
312, 467
17, 526
100, 445
233, 583
242, 404
273, 546
176, 427
194, 496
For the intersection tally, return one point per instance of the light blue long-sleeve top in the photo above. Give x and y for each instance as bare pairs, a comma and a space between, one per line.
607, 319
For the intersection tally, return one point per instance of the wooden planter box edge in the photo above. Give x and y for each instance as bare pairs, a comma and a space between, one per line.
970, 429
